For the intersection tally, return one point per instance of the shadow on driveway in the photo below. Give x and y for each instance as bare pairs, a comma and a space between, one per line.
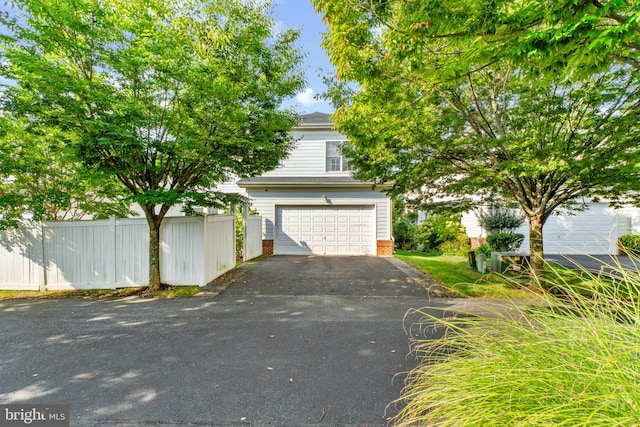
329, 275
292, 341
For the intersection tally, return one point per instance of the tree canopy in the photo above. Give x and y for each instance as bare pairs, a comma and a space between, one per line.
447, 110
40, 176
467, 35
169, 96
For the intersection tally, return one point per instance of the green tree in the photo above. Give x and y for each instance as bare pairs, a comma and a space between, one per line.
40, 174
170, 96
467, 35
446, 121
544, 146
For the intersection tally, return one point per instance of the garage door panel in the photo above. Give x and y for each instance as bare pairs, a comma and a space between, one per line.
330, 230
331, 248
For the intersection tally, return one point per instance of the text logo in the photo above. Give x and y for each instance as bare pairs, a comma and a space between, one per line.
34, 415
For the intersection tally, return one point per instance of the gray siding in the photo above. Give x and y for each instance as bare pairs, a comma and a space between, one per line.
308, 158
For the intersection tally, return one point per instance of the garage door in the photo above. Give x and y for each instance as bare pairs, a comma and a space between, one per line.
325, 230
589, 232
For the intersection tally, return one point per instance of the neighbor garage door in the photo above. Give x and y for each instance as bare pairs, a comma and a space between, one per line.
325, 230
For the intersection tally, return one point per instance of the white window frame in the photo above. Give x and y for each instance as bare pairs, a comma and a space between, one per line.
343, 163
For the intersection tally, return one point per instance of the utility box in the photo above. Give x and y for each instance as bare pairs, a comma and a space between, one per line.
501, 261
472, 259
482, 263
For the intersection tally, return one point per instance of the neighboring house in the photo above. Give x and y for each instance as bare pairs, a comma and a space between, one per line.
312, 205
593, 231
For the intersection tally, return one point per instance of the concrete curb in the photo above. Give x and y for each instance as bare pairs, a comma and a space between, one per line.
434, 288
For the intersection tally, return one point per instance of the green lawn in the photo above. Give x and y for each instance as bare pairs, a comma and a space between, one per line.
454, 273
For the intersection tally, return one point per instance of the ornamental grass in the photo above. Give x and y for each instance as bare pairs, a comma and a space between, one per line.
573, 360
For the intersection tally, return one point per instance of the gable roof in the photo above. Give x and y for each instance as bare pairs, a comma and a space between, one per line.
315, 120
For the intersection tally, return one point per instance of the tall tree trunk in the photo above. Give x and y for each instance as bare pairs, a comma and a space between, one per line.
154, 256
536, 249
154, 221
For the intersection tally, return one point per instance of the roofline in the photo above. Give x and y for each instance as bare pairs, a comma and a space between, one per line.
283, 185
314, 126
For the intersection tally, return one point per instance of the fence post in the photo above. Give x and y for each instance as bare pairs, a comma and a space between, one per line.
235, 237
245, 214
114, 224
43, 285
205, 247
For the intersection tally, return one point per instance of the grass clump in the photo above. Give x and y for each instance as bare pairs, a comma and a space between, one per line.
572, 361
165, 292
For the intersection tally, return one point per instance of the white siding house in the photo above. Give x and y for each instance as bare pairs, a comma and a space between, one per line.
312, 205
593, 231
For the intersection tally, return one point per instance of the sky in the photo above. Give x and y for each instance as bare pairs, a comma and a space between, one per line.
300, 15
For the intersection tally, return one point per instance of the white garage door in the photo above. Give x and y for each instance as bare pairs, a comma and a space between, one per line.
592, 232
325, 230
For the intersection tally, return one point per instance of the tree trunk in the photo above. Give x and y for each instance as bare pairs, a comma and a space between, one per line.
536, 250
154, 220
154, 256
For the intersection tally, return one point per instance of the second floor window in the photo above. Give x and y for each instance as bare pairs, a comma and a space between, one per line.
336, 162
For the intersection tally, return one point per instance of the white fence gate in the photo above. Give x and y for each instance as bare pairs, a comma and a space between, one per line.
115, 253
252, 237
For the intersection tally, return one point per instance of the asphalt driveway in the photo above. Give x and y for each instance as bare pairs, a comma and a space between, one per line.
611, 264
290, 341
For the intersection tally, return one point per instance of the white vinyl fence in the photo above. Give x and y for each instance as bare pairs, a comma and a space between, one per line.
252, 237
115, 253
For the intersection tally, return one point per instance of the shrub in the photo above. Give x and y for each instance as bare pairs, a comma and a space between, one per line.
631, 243
402, 233
503, 242
567, 361
437, 229
484, 249
459, 246
500, 220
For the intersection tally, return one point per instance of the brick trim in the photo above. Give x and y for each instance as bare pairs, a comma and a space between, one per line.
267, 247
384, 247
477, 241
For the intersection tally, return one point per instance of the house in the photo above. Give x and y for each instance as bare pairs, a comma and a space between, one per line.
312, 205
594, 230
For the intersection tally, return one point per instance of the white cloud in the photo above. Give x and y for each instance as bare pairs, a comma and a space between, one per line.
306, 97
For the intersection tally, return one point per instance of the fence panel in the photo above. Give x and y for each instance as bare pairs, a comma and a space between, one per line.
80, 254
182, 251
252, 237
115, 253
132, 252
21, 258
220, 245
